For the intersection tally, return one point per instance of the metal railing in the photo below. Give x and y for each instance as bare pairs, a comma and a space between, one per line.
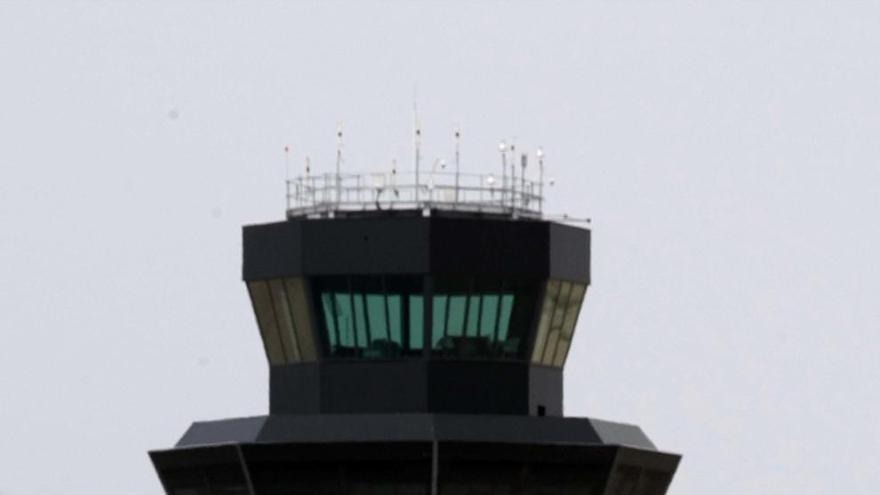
326, 194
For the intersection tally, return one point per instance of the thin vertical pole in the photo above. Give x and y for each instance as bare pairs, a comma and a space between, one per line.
457, 162
524, 160
512, 176
417, 138
503, 148
287, 175
308, 187
418, 160
541, 182
338, 165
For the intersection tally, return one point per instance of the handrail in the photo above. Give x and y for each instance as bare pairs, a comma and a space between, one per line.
325, 194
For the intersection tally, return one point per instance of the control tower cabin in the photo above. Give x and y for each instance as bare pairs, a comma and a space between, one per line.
416, 330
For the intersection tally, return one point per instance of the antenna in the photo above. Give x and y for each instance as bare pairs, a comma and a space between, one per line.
287, 162
502, 147
524, 159
513, 173
394, 178
417, 140
540, 154
457, 160
338, 163
287, 174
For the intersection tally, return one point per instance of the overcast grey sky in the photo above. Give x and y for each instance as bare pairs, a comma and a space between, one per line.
727, 151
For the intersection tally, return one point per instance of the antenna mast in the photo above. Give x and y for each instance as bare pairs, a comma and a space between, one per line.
502, 147
287, 175
540, 154
524, 161
338, 164
457, 161
513, 174
417, 141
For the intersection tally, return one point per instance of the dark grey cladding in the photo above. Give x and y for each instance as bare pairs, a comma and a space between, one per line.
415, 355
413, 467
311, 428
382, 245
410, 386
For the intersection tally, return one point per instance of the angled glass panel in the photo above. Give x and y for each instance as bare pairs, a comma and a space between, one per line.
489, 316
504, 316
395, 318
438, 322
370, 317
551, 293
362, 327
556, 323
284, 319
482, 317
305, 333
403, 299
573, 308
472, 323
346, 345
416, 322
261, 299
377, 314
455, 315
329, 314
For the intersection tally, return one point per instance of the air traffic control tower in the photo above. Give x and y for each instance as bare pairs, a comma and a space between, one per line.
416, 330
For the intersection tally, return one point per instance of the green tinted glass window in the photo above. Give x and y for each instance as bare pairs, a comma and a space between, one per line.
377, 317
438, 323
360, 321
504, 316
395, 315
472, 325
416, 322
476, 317
455, 313
489, 315
370, 317
344, 319
329, 318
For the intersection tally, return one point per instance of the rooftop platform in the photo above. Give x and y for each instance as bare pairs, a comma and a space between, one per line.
329, 195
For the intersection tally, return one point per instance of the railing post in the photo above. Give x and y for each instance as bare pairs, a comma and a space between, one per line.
338, 165
540, 180
524, 158
457, 136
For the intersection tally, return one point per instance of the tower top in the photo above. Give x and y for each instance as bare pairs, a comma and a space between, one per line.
515, 190
329, 195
